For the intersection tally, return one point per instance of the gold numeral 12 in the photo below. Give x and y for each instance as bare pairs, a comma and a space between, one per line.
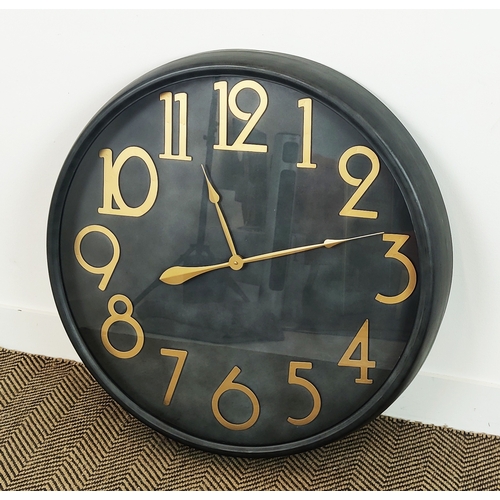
168, 99
228, 100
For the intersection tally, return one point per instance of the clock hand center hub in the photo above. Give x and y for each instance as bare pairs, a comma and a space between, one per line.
235, 262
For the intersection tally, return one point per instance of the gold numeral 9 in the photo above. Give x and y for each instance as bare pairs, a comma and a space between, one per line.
363, 363
361, 184
394, 253
229, 384
229, 100
108, 269
293, 378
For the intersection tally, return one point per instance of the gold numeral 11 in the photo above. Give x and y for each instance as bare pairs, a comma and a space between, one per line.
306, 105
168, 99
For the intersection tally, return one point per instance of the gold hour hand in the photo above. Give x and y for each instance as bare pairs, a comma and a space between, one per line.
214, 198
180, 274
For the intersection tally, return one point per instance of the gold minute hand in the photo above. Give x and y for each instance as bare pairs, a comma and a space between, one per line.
180, 274
214, 197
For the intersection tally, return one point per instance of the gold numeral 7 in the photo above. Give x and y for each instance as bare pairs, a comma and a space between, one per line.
181, 359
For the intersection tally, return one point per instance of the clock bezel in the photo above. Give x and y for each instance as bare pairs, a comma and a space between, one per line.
393, 144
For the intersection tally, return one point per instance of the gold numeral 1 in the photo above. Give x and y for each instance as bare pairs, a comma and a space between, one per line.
168, 99
306, 105
394, 253
229, 100
111, 191
229, 384
363, 363
293, 378
181, 359
126, 317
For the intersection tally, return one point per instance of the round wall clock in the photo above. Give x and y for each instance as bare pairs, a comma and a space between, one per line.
249, 252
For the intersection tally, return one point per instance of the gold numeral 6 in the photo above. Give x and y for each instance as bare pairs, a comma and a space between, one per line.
229, 384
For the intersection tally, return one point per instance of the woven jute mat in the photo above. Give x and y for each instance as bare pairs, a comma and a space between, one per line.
60, 431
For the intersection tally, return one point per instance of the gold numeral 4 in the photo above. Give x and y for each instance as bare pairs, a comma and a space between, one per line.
363, 363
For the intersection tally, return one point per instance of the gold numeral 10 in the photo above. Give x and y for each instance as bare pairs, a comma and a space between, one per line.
168, 154
363, 363
111, 192
228, 100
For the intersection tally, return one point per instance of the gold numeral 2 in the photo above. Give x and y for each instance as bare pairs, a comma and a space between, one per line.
361, 184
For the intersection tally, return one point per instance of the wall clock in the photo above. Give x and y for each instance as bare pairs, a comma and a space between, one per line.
249, 252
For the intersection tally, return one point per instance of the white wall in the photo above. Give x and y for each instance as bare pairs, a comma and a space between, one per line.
439, 71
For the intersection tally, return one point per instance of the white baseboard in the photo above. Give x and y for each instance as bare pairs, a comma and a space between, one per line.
437, 399
36, 332
463, 404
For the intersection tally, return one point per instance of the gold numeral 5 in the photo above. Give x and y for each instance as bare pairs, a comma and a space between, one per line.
293, 378
229, 384
363, 363
394, 253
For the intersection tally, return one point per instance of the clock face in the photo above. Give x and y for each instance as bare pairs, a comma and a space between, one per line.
240, 260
